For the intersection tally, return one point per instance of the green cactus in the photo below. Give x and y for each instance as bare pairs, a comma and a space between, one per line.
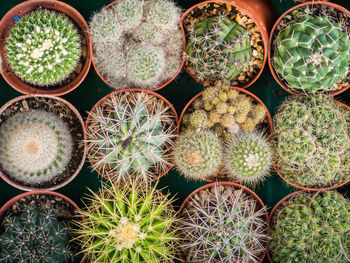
43, 48
34, 236
128, 223
312, 54
218, 49
311, 227
129, 13
199, 119
35, 146
223, 225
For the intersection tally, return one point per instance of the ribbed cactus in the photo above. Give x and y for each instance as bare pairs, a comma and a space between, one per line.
130, 135
43, 48
223, 225
311, 142
35, 146
311, 227
312, 54
34, 236
128, 223
218, 49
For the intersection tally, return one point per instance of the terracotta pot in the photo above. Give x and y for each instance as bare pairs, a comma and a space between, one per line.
23, 8
117, 88
262, 12
234, 185
122, 91
17, 185
270, 47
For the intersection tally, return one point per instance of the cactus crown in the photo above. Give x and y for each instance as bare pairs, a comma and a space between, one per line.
223, 225
34, 236
35, 146
312, 54
43, 48
311, 227
131, 135
128, 223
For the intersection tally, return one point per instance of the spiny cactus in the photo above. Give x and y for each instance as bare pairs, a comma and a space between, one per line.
129, 13
223, 225
43, 48
34, 236
311, 227
197, 154
130, 135
312, 54
311, 142
35, 146
247, 158
128, 223
218, 49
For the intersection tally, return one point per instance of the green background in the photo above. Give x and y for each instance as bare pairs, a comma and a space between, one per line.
179, 92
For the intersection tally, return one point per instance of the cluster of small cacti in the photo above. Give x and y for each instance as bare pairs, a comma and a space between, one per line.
130, 136
137, 43
43, 48
223, 225
128, 223
311, 227
35, 146
311, 142
34, 236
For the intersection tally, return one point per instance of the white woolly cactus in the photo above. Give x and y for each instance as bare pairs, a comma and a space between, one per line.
35, 146
129, 12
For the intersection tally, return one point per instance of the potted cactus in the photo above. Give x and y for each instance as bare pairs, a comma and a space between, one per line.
223, 222
310, 227
128, 223
311, 142
45, 49
137, 43
310, 49
40, 142
130, 135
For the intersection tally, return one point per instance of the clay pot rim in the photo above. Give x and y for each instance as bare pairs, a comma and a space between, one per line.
234, 185
253, 80
271, 40
117, 88
83, 31
11, 182
171, 107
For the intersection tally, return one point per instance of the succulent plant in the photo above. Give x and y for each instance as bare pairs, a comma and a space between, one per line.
129, 13
223, 225
35, 146
130, 135
312, 54
218, 49
311, 227
311, 142
43, 48
128, 223
34, 236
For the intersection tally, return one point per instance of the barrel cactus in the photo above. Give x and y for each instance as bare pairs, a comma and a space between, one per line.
128, 223
312, 54
34, 236
43, 48
311, 227
218, 48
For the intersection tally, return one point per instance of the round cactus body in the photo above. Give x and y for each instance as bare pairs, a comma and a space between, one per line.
129, 13
147, 33
199, 119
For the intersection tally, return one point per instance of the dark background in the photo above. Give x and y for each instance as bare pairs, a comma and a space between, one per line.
179, 92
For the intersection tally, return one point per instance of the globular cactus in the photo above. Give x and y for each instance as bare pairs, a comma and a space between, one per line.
218, 49
312, 54
34, 236
128, 223
311, 141
311, 227
147, 33
223, 225
43, 48
129, 13
197, 154
35, 146
199, 119
130, 135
